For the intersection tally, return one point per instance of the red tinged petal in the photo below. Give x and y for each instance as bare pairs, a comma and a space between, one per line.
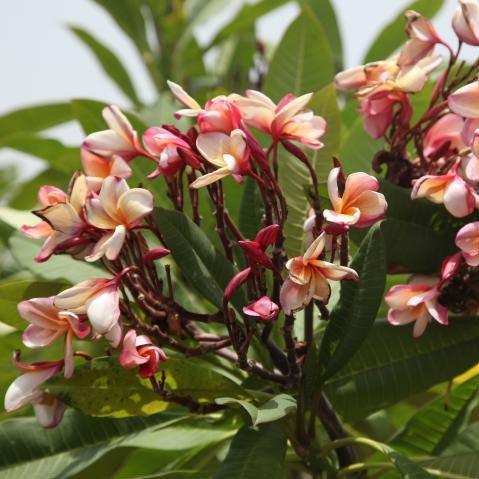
267, 236
156, 253
236, 282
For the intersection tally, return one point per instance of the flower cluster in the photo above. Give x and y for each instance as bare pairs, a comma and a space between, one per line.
437, 154
101, 219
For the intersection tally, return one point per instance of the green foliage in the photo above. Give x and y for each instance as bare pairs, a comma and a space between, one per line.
391, 365
274, 409
207, 270
103, 388
353, 316
255, 452
392, 37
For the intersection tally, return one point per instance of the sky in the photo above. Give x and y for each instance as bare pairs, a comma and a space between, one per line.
43, 62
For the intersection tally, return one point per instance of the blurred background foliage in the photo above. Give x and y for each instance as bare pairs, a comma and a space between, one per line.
394, 390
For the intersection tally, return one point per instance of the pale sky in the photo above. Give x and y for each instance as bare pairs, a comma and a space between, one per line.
43, 62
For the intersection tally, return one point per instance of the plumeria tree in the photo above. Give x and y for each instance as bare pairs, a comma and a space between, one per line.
212, 286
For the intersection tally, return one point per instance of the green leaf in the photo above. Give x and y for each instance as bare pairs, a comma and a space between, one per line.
418, 234
110, 63
58, 156
207, 270
251, 209
273, 410
258, 453
325, 13
434, 425
103, 388
28, 451
358, 149
246, 18
89, 114
391, 365
60, 267
393, 36
303, 61
353, 316
12, 292
34, 118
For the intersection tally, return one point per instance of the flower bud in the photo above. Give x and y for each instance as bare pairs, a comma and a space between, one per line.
263, 308
236, 282
465, 22
156, 253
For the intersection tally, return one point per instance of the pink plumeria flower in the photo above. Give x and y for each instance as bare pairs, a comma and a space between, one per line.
416, 302
119, 140
99, 300
263, 308
97, 168
116, 209
229, 154
458, 197
165, 146
25, 390
48, 323
360, 204
47, 196
467, 239
308, 278
218, 115
288, 120
140, 352
465, 101
65, 218
446, 132
366, 76
469, 168
465, 22
422, 39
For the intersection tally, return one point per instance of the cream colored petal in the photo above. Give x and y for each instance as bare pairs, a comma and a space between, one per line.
97, 216
182, 96
210, 178
316, 248
134, 205
119, 123
213, 146
109, 196
62, 217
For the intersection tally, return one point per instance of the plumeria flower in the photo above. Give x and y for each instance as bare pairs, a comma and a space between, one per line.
367, 76
116, 209
255, 250
360, 204
229, 154
458, 196
48, 323
119, 140
66, 220
308, 278
447, 133
166, 146
465, 101
97, 168
416, 302
47, 196
25, 390
469, 168
470, 134
422, 39
263, 308
218, 115
288, 120
465, 22
467, 239
99, 300
140, 352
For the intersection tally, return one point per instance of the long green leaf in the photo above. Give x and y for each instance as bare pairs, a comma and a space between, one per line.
430, 430
35, 118
28, 451
58, 156
110, 63
392, 37
353, 316
303, 61
207, 270
103, 388
258, 453
391, 365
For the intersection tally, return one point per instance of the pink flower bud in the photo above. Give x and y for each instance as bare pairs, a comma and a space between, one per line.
263, 308
236, 282
465, 22
156, 253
